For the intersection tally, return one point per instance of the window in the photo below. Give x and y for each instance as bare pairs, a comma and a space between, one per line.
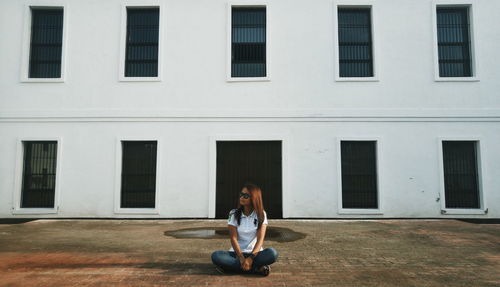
248, 42
141, 54
46, 42
461, 174
454, 42
355, 42
138, 181
359, 174
39, 174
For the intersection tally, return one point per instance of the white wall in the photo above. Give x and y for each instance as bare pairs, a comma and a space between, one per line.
302, 64
407, 150
406, 109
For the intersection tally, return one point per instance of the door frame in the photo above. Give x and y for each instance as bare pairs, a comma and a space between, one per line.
284, 138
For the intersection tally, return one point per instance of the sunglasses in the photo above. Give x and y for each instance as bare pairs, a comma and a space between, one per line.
245, 195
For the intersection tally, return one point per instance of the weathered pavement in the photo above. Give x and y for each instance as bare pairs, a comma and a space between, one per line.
333, 253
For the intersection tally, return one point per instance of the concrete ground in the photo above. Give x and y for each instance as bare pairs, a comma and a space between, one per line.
332, 253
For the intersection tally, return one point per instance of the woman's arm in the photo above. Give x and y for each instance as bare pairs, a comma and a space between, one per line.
233, 234
261, 233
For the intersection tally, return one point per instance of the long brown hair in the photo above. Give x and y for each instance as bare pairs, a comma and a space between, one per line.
256, 199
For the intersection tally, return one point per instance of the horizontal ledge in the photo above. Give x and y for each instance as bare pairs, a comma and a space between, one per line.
28, 211
299, 115
248, 119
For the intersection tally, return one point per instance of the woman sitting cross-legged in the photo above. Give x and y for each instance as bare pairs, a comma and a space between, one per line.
247, 229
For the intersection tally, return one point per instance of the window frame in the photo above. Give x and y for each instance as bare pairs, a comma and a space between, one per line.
374, 36
482, 210
230, 6
18, 181
123, 41
26, 47
472, 32
378, 164
118, 210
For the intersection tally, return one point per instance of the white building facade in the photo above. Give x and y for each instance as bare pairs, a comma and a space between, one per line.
400, 119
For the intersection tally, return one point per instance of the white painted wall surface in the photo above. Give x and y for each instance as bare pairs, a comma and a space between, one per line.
406, 109
408, 150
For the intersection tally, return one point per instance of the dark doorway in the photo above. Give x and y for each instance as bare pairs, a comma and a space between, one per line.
258, 162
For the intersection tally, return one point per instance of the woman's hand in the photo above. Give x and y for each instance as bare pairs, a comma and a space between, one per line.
242, 260
247, 264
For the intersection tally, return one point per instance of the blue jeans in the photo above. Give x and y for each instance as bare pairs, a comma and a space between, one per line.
228, 261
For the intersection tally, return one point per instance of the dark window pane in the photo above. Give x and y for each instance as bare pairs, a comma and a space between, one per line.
39, 174
355, 42
46, 43
460, 174
453, 42
248, 38
141, 56
359, 174
138, 174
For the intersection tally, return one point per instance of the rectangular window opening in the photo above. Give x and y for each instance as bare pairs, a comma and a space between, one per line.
248, 42
461, 177
359, 174
454, 42
138, 181
39, 174
141, 52
46, 42
355, 42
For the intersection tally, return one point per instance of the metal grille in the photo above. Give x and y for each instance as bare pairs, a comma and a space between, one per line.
359, 174
138, 174
46, 43
142, 42
248, 38
460, 174
355, 42
39, 174
453, 42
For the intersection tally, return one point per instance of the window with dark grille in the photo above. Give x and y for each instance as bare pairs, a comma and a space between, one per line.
460, 174
46, 42
248, 42
138, 182
453, 42
355, 42
39, 174
359, 174
141, 56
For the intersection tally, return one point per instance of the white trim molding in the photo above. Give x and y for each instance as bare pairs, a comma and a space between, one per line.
283, 138
26, 46
18, 181
249, 3
482, 210
473, 44
123, 39
118, 172
378, 149
374, 15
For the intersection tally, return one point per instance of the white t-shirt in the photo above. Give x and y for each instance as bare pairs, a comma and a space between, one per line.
247, 230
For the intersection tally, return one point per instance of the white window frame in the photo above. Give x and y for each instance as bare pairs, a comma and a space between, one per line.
18, 181
230, 5
123, 41
482, 210
374, 24
25, 58
118, 173
285, 163
473, 45
378, 159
